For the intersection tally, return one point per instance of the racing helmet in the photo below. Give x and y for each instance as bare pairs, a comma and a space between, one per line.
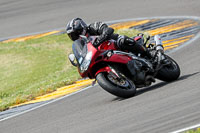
75, 28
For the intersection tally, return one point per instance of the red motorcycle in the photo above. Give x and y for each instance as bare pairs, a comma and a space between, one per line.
121, 72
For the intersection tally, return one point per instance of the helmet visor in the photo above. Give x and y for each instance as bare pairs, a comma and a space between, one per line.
73, 36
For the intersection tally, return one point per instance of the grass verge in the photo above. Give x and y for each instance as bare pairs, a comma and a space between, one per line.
36, 67
193, 131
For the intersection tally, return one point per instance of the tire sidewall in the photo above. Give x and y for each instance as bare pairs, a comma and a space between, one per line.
169, 75
113, 88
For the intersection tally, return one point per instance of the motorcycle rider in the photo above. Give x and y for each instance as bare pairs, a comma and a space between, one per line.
77, 27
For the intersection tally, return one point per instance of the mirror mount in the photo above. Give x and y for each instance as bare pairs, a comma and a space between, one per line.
84, 38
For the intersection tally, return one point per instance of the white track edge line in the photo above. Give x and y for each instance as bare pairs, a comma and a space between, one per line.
186, 129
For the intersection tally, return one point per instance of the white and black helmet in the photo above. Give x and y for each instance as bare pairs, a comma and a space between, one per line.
75, 28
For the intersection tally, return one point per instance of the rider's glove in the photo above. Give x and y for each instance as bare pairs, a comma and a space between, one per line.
99, 41
107, 32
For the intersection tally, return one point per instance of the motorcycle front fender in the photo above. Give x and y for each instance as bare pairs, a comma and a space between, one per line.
104, 69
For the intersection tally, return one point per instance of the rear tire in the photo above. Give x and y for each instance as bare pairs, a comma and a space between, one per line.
169, 72
126, 91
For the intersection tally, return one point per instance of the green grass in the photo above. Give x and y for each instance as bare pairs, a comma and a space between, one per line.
193, 131
35, 67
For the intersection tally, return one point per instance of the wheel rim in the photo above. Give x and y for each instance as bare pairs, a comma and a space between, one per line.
122, 83
172, 66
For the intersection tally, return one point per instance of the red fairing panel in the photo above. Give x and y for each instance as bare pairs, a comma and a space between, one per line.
116, 58
137, 38
108, 45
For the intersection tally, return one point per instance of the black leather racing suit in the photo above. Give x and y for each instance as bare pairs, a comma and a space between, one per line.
123, 42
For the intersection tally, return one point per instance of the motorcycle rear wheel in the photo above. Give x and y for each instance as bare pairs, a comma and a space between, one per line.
123, 89
169, 72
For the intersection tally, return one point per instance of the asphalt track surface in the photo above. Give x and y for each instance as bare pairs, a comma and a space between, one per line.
163, 107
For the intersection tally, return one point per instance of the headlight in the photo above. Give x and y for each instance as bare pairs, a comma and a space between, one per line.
86, 62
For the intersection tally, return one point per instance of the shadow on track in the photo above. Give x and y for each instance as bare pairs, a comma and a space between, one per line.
157, 86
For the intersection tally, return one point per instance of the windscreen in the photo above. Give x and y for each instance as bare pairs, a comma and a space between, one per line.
79, 48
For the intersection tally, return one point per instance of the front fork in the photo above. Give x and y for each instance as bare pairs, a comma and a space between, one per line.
109, 69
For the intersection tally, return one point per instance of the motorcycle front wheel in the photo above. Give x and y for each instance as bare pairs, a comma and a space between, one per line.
124, 88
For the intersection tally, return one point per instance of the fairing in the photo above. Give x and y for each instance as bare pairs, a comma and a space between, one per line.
99, 57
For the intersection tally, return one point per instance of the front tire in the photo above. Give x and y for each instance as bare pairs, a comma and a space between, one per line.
169, 72
126, 90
